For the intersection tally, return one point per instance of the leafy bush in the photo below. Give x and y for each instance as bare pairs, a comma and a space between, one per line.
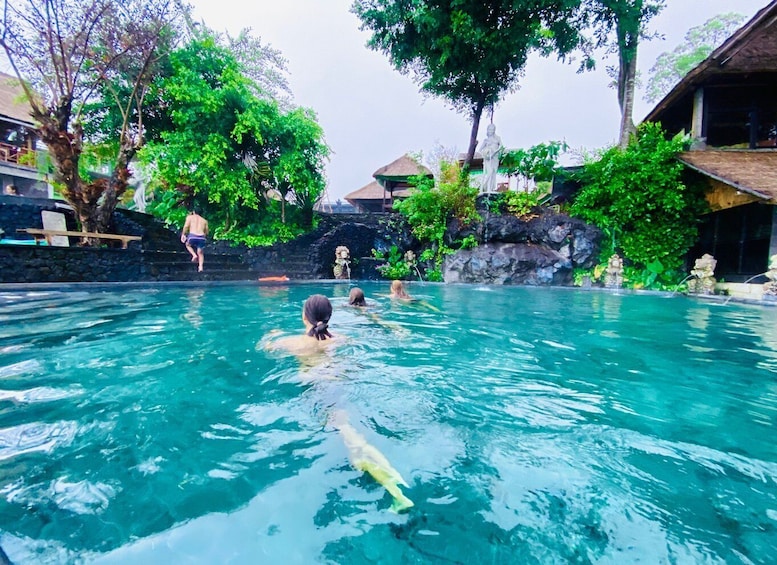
539, 162
520, 204
641, 200
395, 267
429, 208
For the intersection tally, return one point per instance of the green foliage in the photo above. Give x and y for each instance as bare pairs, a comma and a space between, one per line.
628, 20
698, 43
467, 52
395, 267
429, 208
639, 198
434, 275
520, 204
251, 166
166, 205
469, 242
538, 163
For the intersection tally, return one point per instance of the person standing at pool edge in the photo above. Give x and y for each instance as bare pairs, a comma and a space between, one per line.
193, 236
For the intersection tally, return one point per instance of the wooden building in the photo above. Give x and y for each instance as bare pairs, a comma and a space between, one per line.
729, 105
18, 142
392, 182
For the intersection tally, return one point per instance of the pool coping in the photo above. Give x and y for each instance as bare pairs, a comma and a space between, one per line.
70, 286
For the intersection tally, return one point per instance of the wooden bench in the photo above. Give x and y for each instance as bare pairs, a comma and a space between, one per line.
42, 234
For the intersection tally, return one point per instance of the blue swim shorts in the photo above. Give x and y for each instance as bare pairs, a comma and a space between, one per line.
196, 241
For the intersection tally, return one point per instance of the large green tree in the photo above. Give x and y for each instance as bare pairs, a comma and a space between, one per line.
228, 149
627, 20
468, 52
698, 43
63, 51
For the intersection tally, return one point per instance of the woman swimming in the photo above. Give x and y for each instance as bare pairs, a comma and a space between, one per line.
316, 314
398, 290
356, 297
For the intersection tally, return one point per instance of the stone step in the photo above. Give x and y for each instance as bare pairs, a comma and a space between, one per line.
186, 261
183, 256
209, 275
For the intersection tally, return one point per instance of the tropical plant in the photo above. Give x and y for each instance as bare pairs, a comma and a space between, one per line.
642, 200
395, 267
538, 163
430, 207
245, 159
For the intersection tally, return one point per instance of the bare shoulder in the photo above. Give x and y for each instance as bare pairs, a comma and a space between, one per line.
302, 344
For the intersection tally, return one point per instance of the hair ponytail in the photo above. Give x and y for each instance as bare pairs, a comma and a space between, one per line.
317, 311
320, 331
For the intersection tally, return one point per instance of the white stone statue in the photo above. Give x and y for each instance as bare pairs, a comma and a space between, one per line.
140, 198
491, 150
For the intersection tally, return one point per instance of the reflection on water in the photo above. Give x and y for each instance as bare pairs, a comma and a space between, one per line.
532, 425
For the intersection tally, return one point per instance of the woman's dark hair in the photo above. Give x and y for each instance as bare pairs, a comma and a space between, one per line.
356, 297
317, 311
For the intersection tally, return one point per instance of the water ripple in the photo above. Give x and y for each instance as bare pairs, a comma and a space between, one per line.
28, 438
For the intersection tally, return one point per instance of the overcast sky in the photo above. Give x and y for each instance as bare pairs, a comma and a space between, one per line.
372, 115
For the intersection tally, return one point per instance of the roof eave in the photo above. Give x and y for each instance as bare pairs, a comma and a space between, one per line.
725, 181
717, 59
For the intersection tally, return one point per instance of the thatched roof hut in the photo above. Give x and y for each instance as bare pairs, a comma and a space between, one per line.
391, 182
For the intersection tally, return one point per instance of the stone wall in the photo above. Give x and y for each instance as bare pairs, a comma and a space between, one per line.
35, 264
541, 249
43, 263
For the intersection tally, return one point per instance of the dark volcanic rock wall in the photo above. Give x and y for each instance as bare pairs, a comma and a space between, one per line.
540, 250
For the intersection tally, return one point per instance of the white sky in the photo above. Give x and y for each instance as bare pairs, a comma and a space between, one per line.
372, 115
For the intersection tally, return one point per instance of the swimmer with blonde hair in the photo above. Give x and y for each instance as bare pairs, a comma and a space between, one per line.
398, 290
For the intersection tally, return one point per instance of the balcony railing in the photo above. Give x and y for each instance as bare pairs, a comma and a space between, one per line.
21, 156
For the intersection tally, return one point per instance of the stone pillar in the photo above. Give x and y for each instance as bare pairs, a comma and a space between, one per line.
773, 238
697, 122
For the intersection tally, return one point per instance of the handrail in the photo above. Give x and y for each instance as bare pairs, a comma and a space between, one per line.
22, 156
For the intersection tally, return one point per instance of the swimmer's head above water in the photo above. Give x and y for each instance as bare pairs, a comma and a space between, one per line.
316, 314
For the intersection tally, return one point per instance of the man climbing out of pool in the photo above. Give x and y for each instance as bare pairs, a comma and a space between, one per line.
193, 236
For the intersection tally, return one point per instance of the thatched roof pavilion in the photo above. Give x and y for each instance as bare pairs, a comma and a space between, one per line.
727, 103
391, 182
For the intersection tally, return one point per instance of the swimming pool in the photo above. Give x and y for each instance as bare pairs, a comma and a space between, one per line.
533, 425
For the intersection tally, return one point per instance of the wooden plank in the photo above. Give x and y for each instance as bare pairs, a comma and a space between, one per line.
44, 233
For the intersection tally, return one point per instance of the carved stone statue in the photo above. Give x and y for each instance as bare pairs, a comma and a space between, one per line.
342, 268
703, 270
140, 198
491, 150
613, 276
770, 288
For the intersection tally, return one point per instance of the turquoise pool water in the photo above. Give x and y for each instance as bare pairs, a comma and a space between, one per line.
532, 425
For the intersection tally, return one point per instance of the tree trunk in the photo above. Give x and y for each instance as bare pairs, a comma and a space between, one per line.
473, 137
627, 82
117, 185
627, 128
